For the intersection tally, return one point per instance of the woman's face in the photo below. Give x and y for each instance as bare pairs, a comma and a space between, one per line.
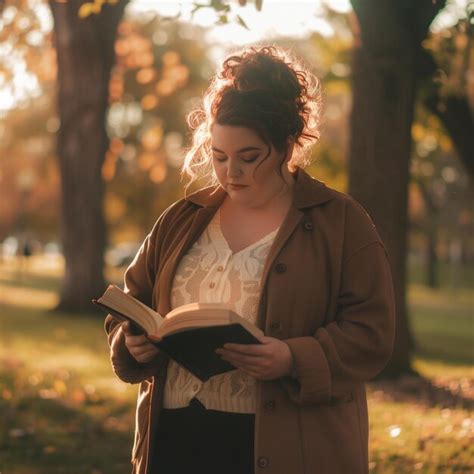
237, 153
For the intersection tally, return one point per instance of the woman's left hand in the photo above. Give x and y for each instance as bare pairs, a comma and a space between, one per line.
267, 361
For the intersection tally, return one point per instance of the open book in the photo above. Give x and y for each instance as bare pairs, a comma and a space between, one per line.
189, 334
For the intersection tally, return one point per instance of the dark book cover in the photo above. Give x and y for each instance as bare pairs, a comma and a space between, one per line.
195, 348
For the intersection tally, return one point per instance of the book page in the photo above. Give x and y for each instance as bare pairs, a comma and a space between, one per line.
195, 315
124, 303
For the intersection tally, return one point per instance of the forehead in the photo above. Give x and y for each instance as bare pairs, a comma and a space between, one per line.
230, 138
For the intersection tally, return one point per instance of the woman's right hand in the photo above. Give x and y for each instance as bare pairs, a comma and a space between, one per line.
139, 346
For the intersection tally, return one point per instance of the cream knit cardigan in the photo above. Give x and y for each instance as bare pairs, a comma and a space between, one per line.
211, 273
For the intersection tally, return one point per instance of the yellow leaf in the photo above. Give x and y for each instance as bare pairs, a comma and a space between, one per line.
60, 387
96, 7
86, 10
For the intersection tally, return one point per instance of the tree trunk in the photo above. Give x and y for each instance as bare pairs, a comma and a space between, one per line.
432, 279
430, 230
385, 73
85, 55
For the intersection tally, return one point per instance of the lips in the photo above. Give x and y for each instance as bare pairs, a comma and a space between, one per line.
237, 186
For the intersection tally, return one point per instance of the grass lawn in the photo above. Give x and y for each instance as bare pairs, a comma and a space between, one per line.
63, 411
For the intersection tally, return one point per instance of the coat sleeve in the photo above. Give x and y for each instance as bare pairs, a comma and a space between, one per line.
358, 343
139, 281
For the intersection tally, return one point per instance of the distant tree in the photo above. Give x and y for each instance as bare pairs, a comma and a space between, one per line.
85, 55
388, 64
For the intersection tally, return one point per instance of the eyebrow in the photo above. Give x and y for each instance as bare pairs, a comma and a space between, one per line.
242, 150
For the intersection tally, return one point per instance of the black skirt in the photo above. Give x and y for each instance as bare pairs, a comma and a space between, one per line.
193, 439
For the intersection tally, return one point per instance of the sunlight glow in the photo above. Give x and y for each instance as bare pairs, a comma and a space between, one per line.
22, 85
43, 14
450, 15
277, 18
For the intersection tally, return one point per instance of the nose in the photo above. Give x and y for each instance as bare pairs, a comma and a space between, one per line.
233, 168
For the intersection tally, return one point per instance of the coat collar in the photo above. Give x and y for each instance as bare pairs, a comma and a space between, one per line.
308, 192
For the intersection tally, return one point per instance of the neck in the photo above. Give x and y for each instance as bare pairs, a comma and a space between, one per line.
279, 203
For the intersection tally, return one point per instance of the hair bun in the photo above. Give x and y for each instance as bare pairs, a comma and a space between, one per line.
262, 69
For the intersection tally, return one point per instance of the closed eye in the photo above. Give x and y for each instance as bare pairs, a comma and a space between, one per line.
247, 160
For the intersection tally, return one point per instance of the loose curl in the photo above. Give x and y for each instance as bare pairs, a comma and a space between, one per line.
262, 88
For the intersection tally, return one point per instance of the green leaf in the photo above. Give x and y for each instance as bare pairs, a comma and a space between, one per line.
223, 20
242, 22
219, 6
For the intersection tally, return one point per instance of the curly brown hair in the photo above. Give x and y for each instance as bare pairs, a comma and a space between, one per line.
262, 88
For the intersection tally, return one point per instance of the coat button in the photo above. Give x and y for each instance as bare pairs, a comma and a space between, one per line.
262, 462
308, 225
269, 405
280, 268
276, 326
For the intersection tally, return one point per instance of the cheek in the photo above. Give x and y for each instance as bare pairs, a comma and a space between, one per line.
219, 170
266, 174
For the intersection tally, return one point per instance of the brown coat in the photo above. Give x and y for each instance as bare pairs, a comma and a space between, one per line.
326, 290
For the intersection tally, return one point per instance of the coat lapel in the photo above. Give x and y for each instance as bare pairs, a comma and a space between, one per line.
288, 226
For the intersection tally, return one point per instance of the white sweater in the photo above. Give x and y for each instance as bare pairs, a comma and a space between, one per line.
211, 273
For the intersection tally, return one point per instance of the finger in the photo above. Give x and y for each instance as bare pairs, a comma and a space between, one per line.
141, 350
126, 328
243, 359
136, 340
267, 340
263, 339
138, 350
145, 353
147, 357
252, 349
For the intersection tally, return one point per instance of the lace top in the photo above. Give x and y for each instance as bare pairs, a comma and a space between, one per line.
211, 273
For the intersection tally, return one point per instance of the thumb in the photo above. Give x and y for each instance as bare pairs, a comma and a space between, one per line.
126, 328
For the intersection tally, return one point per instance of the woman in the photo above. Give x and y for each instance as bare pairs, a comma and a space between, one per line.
302, 261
